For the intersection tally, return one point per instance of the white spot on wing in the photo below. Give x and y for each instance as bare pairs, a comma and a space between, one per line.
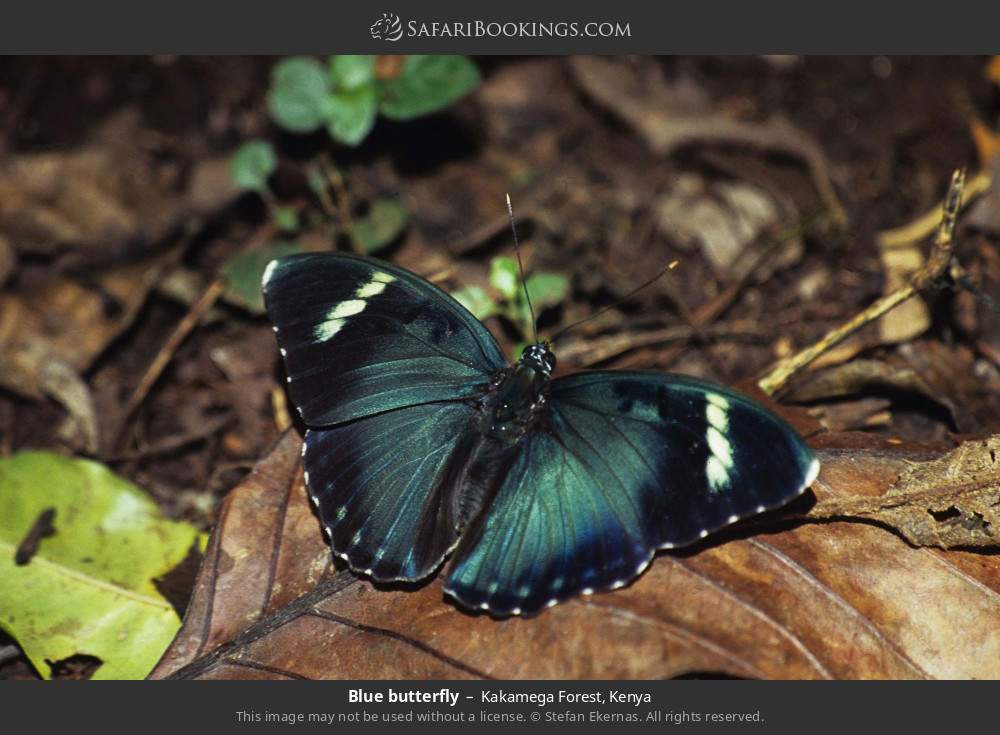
717, 416
336, 318
326, 331
718, 477
373, 288
717, 400
347, 308
720, 446
702, 534
268, 272
812, 474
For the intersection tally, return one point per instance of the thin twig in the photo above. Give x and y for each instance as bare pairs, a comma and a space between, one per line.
205, 302
938, 270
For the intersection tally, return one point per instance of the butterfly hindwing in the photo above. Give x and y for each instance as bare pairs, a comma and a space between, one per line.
360, 336
552, 531
384, 486
622, 464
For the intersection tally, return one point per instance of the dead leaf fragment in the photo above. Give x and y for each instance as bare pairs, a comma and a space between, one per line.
911, 318
951, 502
722, 218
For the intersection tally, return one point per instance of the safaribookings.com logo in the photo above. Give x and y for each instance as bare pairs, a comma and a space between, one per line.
390, 28
387, 28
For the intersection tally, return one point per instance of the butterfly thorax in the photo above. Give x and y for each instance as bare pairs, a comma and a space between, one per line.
517, 395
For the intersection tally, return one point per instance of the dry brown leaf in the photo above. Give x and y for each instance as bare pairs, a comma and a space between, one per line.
105, 199
951, 502
912, 317
985, 213
817, 600
647, 103
854, 377
51, 332
987, 140
8, 261
971, 396
993, 70
722, 218
863, 413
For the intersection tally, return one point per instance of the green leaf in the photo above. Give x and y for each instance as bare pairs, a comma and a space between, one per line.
286, 218
351, 114
252, 164
89, 587
427, 84
352, 72
477, 301
298, 96
505, 277
385, 221
547, 289
244, 272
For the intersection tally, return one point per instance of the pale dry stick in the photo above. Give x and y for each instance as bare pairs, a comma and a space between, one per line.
939, 268
205, 302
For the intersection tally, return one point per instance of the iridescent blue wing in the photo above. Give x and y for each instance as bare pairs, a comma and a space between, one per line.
623, 464
384, 369
385, 486
360, 336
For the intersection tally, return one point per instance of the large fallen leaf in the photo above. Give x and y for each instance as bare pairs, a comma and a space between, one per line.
806, 600
87, 587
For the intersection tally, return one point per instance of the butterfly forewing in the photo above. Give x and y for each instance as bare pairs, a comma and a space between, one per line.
360, 336
623, 464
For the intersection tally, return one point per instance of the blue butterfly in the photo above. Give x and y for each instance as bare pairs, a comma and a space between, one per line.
424, 442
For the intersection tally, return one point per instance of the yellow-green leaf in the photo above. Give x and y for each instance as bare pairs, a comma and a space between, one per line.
88, 588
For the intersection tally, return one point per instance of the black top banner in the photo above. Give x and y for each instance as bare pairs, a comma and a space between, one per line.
509, 27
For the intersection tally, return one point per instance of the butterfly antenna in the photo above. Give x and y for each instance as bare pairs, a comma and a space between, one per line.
520, 267
668, 267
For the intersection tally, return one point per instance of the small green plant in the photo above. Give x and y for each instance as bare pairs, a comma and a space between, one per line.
350, 92
251, 166
506, 296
